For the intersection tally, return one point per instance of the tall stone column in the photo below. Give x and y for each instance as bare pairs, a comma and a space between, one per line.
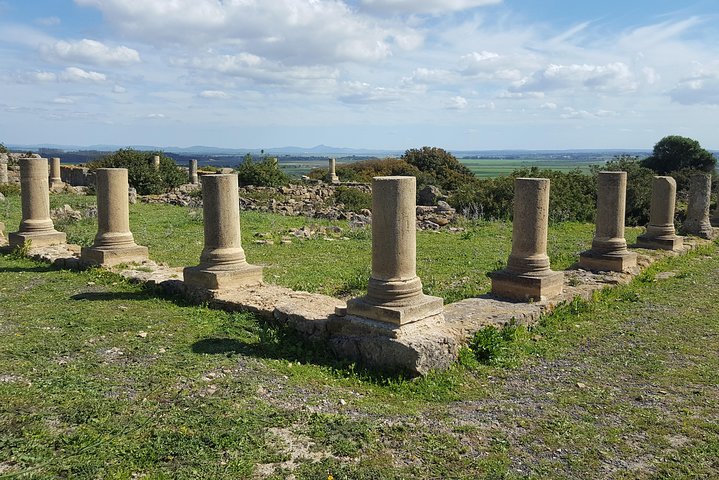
697, 221
36, 225
528, 275
394, 294
114, 243
609, 247
660, 234
55, 176
222, 262
156, 162
193, 171
331, 172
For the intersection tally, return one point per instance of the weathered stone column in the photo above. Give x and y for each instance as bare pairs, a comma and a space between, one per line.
697, 221
609, 247
660, 234
528, 275
715, 216
36, 225
114, 242
193, 171
3, 170
156, 162
55, 177
331, 173
222, 263
394, 294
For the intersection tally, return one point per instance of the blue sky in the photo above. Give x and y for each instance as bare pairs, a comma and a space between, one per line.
394, 74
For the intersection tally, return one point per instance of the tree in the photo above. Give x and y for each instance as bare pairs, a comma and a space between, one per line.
140, 172
444, 167
266, 173
3, 148
674, 153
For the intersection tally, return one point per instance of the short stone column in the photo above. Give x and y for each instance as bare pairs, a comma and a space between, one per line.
193, 171
3, 172
36, 225
660, 234
331, 173
609, 247
222, 262
528, 275
156, 162
55, 177
114, 242
394, 294
697, 221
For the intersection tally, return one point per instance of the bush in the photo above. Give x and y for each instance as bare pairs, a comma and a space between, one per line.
353, 199
365, 170
265, 173
442, 167
141, 174
3, 148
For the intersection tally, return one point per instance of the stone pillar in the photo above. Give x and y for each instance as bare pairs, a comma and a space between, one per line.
660, 234
3, 171
36, 225
528, 275
394, 294
697, 221
609, 247
715, 216
193, 171
222, 263
331, 173
55, 178
114, 242
156, 162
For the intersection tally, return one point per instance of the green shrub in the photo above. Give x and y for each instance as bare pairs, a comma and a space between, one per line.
442, 168
10, 189
3, 148
364, 170
265, 173
140, 171
353, 199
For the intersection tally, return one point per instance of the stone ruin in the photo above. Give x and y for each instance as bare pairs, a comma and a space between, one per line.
395, 326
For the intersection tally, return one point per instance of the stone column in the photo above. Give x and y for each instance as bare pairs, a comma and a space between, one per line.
193, 171
528, 275
697, 221
331, 173
156, 162
660, 234
609, 247
222, 263
36, 225
714, 220
55, 177
114, 242
394, 294
3, 171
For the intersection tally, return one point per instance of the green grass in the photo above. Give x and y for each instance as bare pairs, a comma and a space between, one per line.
452, 266
495, 167
100, 378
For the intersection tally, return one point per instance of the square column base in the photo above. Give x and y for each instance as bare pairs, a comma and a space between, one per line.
115, 256
424, 306
220, 279
19, 239
57, 186
601, 262
333, 179
524, 288
661, 243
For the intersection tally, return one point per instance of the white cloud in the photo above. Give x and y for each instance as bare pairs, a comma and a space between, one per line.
572, 114
119, 89
215, 94
548, 106
457, 103
64, 100
155, 116
75, 74
364, 93
89, 52
615, 77
406, 7
697, 90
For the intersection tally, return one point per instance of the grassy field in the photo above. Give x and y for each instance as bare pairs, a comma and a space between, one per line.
103, 379
451, 265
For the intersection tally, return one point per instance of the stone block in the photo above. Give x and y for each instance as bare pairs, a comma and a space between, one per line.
527, 287
210, 279
608, 262
109, 257
674, 243
422, 307
40, 239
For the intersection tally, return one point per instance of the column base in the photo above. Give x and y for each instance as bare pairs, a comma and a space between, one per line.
333, 179
57, 186
422, 307
44, 239
109, 257
527, 287
607, 262
205, 277
703, 230
660, 243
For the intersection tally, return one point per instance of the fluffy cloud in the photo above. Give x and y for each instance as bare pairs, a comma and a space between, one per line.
364, 93
406, 7
457, 103
615, 77
89, 52
214, 94
697, 90
75, 74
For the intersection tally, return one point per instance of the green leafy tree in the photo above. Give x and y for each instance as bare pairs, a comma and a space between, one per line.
444, 169
140, 171
265, 173
674, 153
